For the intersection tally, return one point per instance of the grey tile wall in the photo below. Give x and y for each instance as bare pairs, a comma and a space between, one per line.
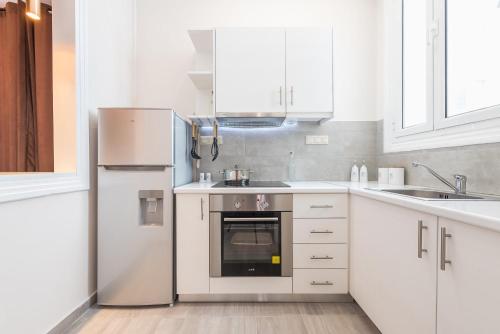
267, 151
480, 163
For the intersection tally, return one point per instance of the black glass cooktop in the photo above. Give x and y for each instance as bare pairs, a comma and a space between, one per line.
253, 184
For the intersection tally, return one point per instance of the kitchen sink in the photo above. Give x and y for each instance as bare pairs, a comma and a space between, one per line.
435, 195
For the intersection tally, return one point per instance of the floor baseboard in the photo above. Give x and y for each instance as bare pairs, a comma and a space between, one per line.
64, 325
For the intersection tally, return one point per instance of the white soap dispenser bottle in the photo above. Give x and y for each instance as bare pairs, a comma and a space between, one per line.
354, 173
363, 173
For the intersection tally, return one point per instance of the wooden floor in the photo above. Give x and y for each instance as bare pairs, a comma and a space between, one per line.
222, 318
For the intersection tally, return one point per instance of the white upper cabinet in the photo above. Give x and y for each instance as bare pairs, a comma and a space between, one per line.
273, 72
250, 71
309, 71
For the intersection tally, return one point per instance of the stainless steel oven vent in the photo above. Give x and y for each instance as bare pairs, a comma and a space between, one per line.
250, 122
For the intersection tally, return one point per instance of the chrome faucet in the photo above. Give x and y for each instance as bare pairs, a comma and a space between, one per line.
460, 186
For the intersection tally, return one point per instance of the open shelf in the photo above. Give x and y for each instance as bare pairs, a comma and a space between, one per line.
203, 40
203, 121
202, 79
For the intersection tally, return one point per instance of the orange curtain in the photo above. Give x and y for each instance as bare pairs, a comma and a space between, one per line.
26, 113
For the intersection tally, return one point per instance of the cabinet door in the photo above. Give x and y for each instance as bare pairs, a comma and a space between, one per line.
192, 231
250, 71
309, 70
468, 293
395, 287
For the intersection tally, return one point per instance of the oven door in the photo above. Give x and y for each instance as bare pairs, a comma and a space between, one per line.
250, 244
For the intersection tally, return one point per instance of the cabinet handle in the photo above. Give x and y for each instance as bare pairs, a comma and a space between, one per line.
281, 96
321, 283
321, 232
444, 261
321, 257
201, 205
420, 250
321, 206
291, 95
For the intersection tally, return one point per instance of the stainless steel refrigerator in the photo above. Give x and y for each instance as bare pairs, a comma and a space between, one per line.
142, 155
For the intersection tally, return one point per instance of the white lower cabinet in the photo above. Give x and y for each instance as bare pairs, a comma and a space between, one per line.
395, 287
320, 231
192, 240
468, 287
324, 281
320, 256
320, 250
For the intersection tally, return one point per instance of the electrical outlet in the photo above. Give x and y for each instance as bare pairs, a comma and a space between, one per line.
208, 140
316, 140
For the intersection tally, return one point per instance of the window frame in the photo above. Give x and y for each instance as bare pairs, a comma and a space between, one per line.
475, 127
19, 186
441, 120
428, 125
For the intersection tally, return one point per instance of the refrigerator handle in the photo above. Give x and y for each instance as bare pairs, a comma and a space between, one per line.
141, 168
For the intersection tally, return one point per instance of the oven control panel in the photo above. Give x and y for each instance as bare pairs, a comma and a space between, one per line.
251, 202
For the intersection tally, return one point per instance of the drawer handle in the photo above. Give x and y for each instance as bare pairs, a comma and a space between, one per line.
321, 232
314, 257
321, 283
321, 206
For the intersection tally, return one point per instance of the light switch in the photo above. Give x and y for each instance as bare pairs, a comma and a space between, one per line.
316, 140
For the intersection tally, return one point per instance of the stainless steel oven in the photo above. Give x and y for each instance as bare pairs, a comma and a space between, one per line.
251, 235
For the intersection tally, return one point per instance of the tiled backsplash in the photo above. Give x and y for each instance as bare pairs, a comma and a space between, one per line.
267, 151
480, 163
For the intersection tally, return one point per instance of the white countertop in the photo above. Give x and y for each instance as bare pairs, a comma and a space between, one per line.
295, 188
485, 214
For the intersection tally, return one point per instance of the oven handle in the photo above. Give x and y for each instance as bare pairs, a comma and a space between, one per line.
256, 219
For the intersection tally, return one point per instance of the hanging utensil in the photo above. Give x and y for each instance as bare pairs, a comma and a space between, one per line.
194, 142
215, 145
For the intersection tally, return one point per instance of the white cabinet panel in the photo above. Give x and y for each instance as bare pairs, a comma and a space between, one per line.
250, 71
244, 285
320, 256
320, 231
309, 70
192, 231
395, 287
323, 281
468, 293
319, 206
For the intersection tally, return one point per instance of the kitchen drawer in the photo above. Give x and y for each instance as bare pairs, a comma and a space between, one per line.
319, 206
320, 281
320, 231
320, 256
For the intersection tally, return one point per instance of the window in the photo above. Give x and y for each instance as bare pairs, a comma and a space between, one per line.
70, 114
448, 73
472, 56
414, 63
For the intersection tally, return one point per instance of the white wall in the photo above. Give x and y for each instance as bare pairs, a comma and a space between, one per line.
165, 52
44, 252
48, 244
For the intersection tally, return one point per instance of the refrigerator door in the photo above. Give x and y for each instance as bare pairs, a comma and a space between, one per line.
182, 158
135, 243
135, 137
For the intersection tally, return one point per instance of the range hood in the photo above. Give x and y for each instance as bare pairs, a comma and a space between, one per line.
250, 120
